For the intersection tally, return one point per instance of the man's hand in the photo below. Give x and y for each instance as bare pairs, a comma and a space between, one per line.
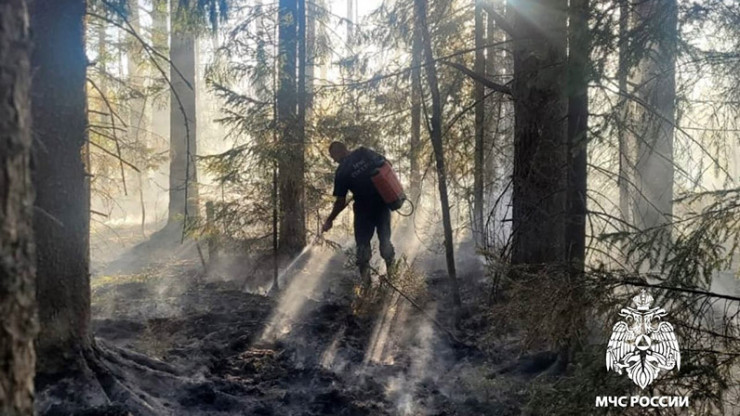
339, 205
327, 226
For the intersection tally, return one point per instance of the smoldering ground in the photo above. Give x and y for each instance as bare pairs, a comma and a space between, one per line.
306, 350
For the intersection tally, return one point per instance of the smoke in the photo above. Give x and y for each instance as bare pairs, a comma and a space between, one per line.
420, 350
329, 358
303, 279
377, 349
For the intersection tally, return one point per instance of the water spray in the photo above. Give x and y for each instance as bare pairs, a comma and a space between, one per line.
317, 240
290, 265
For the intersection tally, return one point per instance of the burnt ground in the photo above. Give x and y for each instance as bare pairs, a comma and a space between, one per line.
307, 349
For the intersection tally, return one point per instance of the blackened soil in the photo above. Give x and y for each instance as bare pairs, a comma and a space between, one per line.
324, 358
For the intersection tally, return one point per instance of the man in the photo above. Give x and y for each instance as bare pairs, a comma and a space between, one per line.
371, 213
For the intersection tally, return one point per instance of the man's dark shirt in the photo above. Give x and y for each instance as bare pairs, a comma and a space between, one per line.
354, 174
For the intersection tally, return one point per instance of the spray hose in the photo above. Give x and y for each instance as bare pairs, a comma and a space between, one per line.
410, 213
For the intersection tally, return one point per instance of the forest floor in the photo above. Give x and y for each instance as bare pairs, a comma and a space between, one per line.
306, 350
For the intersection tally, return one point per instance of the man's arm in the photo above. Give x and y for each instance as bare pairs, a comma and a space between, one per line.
339, 205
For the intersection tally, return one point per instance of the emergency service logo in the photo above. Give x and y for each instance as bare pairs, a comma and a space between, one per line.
643, 344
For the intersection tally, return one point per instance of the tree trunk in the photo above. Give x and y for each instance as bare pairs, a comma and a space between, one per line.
436, 137
310, 61
480, 131
100, 94
496, 121
183, 141
654, 122
493, 107
134, 53
540, 151
575, 234
302, 62
625, 161
62, 214
291, 164
17, 292
350, 21
302, 91
137, 122
578, 77
160, 103
415, 140
160, 31
160, 41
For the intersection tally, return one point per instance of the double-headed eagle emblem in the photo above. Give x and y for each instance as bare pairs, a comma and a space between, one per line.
642, 344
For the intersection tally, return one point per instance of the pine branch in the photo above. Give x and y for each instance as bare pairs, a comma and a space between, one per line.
120, 159
481, 79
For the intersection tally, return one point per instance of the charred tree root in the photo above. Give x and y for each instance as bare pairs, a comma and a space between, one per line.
110, 381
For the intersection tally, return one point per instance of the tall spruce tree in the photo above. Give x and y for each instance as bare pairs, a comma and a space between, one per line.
540, 132
578, 78
183, 136
480, 127
17, 274
653, 112
415, 147
138, 128
291, 163
62, 209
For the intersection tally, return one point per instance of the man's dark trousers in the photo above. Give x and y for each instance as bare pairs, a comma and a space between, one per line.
368, 219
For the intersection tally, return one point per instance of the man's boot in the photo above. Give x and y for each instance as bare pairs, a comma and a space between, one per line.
362, 291
366, 278
391, 269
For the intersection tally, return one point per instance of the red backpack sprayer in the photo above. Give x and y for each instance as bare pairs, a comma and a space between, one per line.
389, 187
